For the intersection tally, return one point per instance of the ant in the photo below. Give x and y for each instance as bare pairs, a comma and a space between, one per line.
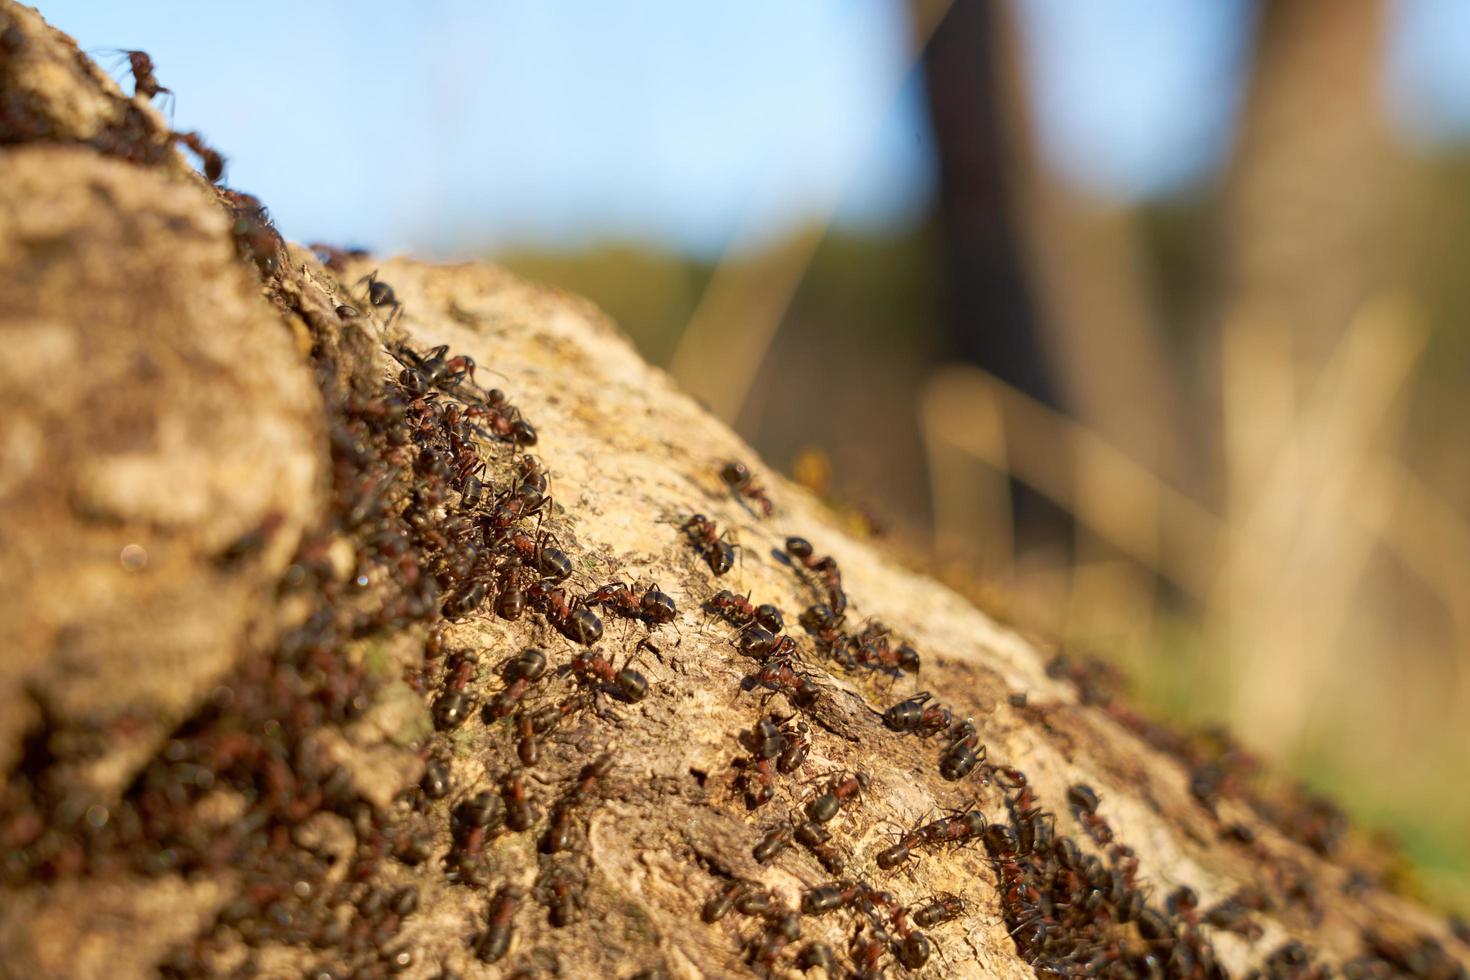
627, 684
560, 890
778, 674
210, 160
719, 904
380, 294
572, 619
816, 839
915, 714
256, 237
559, 835
738, 611
1084, 803
940, 909
654, 607
960, 759
496, 940
145, 82
824, 807
704, 536
772, 844
470, 822
826, 568
452, 707
781, 932
523, 670
520, 813
737, 477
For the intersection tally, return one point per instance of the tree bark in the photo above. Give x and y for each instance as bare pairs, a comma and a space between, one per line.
255, 696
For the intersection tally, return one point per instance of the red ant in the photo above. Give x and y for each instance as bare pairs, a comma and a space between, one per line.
470, 823
826, 568
494, 943
654, 607
758, 781
1084, 802
823, 808
626, 684
572, 619
915, 714
737, 477
210, 160
559, 835
779, 675
145, 82
705, 538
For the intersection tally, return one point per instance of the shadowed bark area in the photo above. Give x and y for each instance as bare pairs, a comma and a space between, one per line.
288, 531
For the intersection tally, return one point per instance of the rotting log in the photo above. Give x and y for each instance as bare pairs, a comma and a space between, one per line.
272, 559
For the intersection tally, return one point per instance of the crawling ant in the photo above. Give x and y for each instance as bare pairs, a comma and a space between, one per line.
781, 932
816, 839
435, 782
495, 941
559, 890
940, 909
210, 160
737, 477
626, 685
520, 813
256, 237
797, 743
824, 807
960, 759
913, 950
826, 568
471, 821
772, 844
833, 895
1084, 802
915, 714
526, 668
380, 294
145, 82
817, 955
453, 706
953, 829
778, 674
559, 835
528, 750
720, 903
705, 538
653, 607
758, 782
736, 610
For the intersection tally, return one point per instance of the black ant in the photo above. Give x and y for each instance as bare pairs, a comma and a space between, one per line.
380, 294
737, 477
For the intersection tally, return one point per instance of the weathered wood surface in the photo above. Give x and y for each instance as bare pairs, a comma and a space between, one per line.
161, 393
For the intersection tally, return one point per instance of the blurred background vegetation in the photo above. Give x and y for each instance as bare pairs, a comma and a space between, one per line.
1143, 319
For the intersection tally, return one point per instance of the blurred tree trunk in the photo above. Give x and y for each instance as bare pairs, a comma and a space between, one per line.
1312, 216
991, 315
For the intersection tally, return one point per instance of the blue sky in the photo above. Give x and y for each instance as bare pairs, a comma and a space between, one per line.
469, 125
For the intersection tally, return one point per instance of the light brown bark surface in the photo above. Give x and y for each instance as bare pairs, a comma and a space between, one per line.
163, 393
